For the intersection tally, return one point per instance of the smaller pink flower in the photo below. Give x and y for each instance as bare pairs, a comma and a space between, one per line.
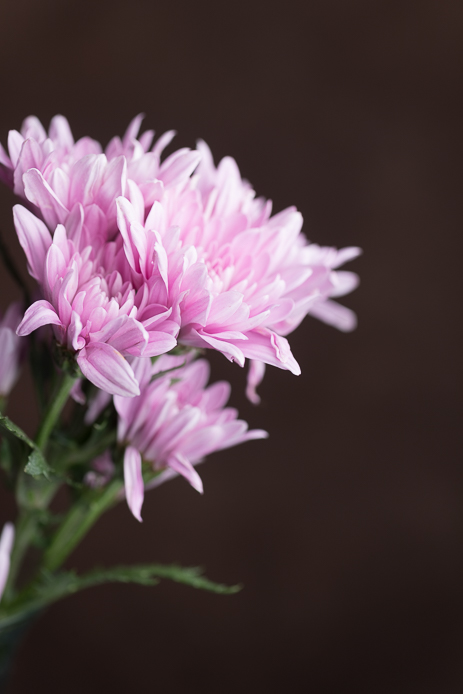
102, 471
6, 546
174, 423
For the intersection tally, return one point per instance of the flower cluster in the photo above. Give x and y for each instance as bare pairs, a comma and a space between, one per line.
135, 255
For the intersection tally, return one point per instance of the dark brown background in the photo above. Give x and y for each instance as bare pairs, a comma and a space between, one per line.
346, 525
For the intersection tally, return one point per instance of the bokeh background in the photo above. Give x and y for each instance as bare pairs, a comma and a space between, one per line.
346, 525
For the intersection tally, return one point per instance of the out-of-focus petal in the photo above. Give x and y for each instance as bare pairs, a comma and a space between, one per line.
255, 375
133, 481
335, 314
183, 467
6, 546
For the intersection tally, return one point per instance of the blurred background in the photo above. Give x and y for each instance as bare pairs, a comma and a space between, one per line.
346, 526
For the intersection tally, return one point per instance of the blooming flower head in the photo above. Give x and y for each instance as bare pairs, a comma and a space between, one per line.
11, 349
174, 423
92, 313
145, 253
240, 279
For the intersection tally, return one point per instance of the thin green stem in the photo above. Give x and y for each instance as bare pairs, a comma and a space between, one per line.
82, 515
54, 409
26, 526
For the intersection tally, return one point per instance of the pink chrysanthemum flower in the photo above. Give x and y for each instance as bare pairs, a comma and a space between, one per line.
174, 423
239, 279
11, 349
198, 257
92, 313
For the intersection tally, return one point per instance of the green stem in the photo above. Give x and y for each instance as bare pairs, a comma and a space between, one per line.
27, 523
81, 517
32, 495
54, 409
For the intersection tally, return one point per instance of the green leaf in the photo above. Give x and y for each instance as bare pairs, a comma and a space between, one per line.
37, 465
191, 576
12, 428
54, 586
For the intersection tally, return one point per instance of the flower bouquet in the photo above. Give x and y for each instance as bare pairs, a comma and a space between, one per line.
142, 265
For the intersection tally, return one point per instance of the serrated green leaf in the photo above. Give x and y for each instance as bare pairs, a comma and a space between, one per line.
37, 465
54, 586
191, 576
12, 428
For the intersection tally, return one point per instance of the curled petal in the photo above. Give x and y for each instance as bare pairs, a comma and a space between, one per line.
106, 368
40, 313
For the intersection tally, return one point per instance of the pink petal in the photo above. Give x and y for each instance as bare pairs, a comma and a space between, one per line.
34, 238
15, 142
182, 465
30, 157
159, 343
113, 183
86, 177
40, 313
40, 194
344, 282
255, 376
60, 132
132, 130
346, 254
133, 480
165, 139
125, 334
179, 166
265, 345
335, 314
106, 368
